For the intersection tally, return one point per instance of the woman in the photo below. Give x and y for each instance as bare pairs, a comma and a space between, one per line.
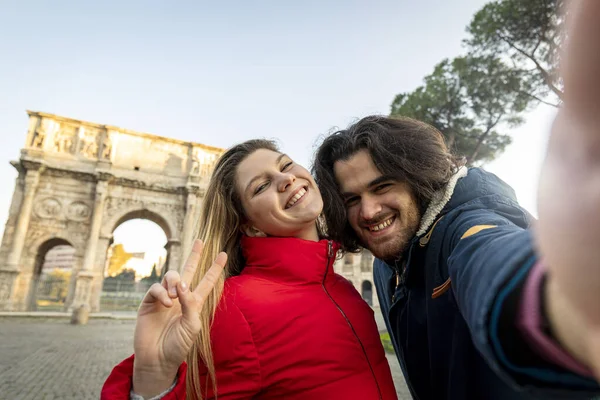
284, 326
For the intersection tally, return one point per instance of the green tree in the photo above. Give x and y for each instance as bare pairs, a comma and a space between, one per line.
470, 100
526, 35
123, 281
58, 281
152, 278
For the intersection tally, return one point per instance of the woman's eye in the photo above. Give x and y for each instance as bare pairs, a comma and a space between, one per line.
287, 166
261, 188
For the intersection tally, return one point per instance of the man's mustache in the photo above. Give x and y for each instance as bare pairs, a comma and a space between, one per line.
376, 220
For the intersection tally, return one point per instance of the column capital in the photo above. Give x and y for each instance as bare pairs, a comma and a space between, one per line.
195, 190
172, 242
101, 188
31, 166
104, 176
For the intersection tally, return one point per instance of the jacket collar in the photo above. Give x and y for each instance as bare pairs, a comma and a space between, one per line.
288, 260
439, 200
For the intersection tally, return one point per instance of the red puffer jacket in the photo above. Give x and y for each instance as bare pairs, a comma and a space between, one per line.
287, 328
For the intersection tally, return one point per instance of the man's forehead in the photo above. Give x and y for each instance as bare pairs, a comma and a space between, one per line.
356, 173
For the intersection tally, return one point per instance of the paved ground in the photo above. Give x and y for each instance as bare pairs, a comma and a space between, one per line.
47, 359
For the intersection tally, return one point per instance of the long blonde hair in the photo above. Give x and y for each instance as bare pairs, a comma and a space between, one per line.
220, 222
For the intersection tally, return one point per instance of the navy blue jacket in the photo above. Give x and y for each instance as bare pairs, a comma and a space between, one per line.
450, 302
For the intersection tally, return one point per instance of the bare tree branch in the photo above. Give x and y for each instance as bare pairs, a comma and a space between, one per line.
540, 100
545, 74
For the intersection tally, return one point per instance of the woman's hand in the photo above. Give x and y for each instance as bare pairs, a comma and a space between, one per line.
168, 323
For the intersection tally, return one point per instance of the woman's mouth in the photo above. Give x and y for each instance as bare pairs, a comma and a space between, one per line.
296, 197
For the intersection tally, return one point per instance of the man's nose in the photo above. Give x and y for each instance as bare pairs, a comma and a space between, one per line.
369, 208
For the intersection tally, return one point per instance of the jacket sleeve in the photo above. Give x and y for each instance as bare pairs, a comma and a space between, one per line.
237, 367
235, 358
118, 384
489, 261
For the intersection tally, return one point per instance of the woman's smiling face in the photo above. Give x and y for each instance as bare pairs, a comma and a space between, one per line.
279, 197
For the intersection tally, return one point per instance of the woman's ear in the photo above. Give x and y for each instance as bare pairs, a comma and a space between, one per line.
251, 231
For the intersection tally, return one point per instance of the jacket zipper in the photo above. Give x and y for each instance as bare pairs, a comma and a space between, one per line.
329, 257
400, 278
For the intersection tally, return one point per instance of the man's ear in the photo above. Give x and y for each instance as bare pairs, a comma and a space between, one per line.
251, 231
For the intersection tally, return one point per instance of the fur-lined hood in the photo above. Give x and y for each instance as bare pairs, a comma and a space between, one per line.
439, 201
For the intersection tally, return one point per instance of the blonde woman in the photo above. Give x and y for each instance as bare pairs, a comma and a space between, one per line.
258, 311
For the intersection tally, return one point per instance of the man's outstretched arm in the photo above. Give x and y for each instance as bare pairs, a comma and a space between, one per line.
568, 233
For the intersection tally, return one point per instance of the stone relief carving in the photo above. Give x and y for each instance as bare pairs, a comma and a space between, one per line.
79, 211
41, 133
48, 208
38, 139
64, 140
52, 229
89, 145
203, 162
114, 204
106, 148
33, 235
195, 166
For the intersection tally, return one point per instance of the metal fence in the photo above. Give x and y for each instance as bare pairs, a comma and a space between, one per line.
50, 292
116, 295
119, 295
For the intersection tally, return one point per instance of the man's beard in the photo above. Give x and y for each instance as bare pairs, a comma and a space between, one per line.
391, 250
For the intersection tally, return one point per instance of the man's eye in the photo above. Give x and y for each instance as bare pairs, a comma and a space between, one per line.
351, 201
261, 188
382, 187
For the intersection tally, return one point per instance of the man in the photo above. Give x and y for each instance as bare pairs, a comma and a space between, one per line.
478, 305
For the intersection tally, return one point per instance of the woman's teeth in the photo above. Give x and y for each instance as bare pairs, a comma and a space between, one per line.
296, 197
382, 225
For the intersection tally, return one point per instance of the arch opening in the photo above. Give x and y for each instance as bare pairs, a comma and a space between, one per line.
136, 258
52, 273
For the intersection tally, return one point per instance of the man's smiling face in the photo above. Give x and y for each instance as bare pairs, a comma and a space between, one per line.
383, 212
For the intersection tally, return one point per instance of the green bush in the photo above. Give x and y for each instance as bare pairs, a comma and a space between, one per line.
387, 343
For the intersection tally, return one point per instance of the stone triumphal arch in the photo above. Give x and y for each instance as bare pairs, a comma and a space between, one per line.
77, 181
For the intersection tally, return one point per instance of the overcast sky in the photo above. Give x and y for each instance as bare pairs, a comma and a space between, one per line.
222, 72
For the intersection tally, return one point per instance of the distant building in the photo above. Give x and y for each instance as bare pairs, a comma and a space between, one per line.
358, 269
59, 257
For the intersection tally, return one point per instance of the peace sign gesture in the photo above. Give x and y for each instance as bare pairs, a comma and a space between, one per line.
168, 324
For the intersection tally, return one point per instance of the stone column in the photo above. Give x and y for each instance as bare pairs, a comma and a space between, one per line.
9, 271
32, 179
86, 275
189, 222
173, 248
100, 266
90, 252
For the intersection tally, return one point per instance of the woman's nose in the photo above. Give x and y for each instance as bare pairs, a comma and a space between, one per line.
285, 181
